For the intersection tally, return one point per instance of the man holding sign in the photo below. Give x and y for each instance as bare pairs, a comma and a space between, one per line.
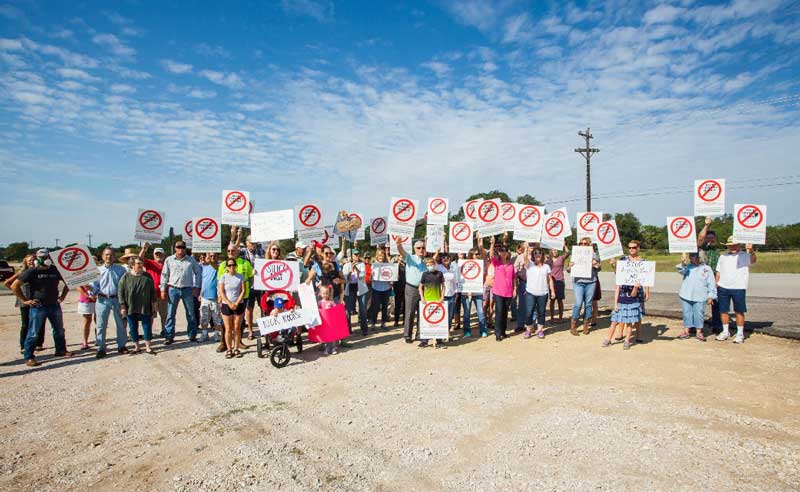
733, 274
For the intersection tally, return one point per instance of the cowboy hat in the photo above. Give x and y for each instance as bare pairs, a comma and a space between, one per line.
128, 254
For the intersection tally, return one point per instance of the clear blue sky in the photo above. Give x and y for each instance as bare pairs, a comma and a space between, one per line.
112, 106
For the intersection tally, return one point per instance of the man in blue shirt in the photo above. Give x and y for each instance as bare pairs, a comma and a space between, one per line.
209, 308
415, 267
107, 302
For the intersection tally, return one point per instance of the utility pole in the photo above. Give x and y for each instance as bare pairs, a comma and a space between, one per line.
587, 154
56, 243
90, 239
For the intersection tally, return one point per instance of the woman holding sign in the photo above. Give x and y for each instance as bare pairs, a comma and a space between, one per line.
231, 289
380, 292
504, 286
583, 290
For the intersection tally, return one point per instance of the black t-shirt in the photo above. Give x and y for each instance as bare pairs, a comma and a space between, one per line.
43, 283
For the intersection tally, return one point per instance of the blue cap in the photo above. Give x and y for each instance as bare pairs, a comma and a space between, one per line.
278, 302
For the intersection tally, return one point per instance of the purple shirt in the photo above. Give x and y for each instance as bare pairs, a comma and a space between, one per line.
503, 278
557, 267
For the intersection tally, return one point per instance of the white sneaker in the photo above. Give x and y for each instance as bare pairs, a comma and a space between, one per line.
739, 339
723, 336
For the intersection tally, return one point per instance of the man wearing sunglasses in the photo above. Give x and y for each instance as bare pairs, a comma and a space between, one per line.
415, 267
181, 279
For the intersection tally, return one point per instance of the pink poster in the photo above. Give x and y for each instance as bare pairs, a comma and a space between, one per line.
333, 327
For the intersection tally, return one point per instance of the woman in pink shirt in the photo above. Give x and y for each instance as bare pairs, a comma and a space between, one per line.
504, 288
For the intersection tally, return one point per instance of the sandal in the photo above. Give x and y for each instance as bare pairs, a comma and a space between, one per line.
606, 342
627, 345
237, 354
229, 354
540, 334
701, 337
84, 346
683, 336
250, 336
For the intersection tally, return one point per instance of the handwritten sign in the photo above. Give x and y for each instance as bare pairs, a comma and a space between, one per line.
630, 272
76, 265
432, 320
272, 226
709, 197
438, 209
283, 321
582, 257
750, 224
276, 275
308, 301
385, 272
681, 234
434, 237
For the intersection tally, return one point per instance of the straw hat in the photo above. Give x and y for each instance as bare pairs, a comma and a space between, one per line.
730, 242
128, 254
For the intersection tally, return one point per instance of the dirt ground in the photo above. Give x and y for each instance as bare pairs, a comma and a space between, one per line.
555, 414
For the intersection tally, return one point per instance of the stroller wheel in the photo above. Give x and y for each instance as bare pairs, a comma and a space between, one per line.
260, 347
299, 343
279, 356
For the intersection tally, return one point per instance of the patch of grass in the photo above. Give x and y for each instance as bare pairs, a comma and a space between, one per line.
768, 261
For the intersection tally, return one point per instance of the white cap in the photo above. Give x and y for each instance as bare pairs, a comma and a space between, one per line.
300, 244
158, 250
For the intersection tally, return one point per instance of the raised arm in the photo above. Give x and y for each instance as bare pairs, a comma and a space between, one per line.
701, 237
481, 249
143, 251
751, 252
400, 249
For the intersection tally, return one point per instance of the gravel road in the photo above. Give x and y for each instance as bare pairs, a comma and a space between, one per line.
553, 414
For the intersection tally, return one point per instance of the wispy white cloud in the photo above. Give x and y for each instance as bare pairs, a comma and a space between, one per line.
229, 80
210, 51
74, 73
176, 67
11, 12
201, 94
113, 44
321, 10
439, 68
122, 89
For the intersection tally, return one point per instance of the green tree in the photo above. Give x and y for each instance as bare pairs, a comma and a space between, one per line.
629, 226
527, 199
654, 237
16, 251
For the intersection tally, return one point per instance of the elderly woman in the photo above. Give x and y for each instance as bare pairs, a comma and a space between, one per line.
697, 290
138, 300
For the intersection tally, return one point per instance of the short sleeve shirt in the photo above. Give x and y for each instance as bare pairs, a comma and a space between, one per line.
43, 284
432, 285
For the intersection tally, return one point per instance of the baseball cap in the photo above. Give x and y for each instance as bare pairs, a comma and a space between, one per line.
158, 250
278, 302
356, 252
43, 252
291, 256
300, 244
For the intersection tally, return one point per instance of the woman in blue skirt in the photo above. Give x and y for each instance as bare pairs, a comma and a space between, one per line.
627, 311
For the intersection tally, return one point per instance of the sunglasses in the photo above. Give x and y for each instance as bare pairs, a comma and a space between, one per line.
231, 264
274, 249
180, 247
419, 247
633, 247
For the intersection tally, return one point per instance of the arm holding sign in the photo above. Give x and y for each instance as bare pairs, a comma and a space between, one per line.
701, 236
751, 252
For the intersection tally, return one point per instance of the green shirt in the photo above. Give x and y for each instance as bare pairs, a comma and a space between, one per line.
137, 293
710, 256
244, 268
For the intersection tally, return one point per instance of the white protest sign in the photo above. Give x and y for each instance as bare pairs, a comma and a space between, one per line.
308, 301
76, 265
309, 222
438, 208
272, 226
206, 235
404, 240
471, 276
582, 257
276, 275
528, 224
681, 234
187, 233
460, 237
562, 215
330, 236
471, 211
235, 207
490, 221
360, 233
586, 222
709, 197
508, 214
377, 232
630, 272
434, 237
606, 236
432, 320
149, 225
283, 321
750, 224
385, 272
402, 216
553, 231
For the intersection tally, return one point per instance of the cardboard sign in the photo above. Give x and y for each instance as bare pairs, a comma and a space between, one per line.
681, 234
404, 240
630, 272
490, 221
308, 301
606, 236
471, 211
76, 265
553, 228
586, 222
709, 197
283, 321
187, 233
308, 220
385, 272
235, 207
333, 327
206, 235
460, 237
149, 225
377, 232
432, 320
581, 256
434, 237
750, 224
438, 208
276, 275
272, 226
470, 273
402, 216
528, 224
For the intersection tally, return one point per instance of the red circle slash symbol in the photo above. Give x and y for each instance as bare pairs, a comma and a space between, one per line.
235, 201
709, 190
529, 216
207, 228
72, 259
488, 211
587, 220
750, 216
187, 228
150, 220
606, 233
433, 312
508, 211
403, 240
680, 227
470, 209
404, 210
309, 215
385, 274
470, 270
558, 214
378, 226
359, 219
554, 226
438, 206
461, 231
272, 274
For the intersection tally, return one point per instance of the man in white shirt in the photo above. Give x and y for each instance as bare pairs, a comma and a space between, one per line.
733, 273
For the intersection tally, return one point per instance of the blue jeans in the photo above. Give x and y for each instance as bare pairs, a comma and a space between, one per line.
174, 295
584, 293
693, 313
535, 309
36, 319
147, 326
350, 301
521, 308
102, 308
451, 302
466, 304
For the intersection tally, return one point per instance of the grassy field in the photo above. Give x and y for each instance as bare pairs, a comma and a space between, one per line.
768, 262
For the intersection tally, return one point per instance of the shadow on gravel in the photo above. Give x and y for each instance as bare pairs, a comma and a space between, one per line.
652, 332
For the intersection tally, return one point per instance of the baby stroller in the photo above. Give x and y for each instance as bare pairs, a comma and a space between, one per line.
279, 354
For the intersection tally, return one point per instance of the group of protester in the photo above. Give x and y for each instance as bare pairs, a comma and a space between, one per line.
221, 298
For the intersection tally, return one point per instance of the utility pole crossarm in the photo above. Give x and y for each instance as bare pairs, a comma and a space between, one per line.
587, 152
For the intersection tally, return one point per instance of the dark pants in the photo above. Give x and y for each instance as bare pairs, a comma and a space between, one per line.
38, 315
501, 307
521, 305
716, 321
353, 301
25, 319
380, 300
399, 300
412, 310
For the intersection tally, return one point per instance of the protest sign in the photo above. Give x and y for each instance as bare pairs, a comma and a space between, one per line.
361, 231
681, 234
490, 221
709, 197
606, 236
586, 223
385, 272
283, 321
402, 216
206, 235
149, 225
582, 257
309, 222
432, 320
272, 226
76, 265
471, 276
553, 231
276, 275
187, 233
460, 237
377, 232
308, 301
630, 272
333, 327
471, 211
562, 215
750, 224
434, 237
235, 207
528, 223
404, 240
438, 209
508, 214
